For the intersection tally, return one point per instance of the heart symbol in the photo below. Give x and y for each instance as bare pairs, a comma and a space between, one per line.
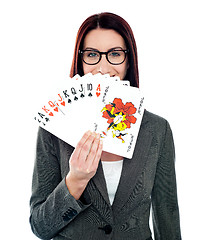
98, 94
63, 103
51, 114
56, 109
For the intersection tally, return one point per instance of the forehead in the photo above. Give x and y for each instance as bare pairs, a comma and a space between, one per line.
103, 39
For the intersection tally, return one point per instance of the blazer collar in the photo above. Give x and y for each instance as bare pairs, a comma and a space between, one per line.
132, 169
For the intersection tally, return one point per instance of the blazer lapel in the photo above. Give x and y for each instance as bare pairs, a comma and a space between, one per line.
133, 168
100, 183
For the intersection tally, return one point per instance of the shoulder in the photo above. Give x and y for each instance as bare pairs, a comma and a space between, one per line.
45, 136
50, 141
157, 125
154, 120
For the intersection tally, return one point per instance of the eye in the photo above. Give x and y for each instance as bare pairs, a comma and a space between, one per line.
91, 54
115, 54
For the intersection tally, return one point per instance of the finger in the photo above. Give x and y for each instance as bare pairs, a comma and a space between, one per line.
86, 147
98, 153
93, 148
97, 158
80, 144
95, 153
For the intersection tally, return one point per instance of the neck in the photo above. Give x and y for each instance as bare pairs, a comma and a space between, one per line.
106, 156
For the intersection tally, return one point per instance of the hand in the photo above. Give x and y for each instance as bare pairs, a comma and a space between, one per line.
84, 163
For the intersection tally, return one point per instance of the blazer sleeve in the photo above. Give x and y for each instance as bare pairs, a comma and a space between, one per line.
52, 207
165, 209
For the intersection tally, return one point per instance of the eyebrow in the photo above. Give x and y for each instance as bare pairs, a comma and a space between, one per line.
94, 49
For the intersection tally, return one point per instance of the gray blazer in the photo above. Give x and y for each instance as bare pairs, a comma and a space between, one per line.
147, 179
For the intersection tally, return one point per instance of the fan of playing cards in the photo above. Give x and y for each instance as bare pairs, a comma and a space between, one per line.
98, 103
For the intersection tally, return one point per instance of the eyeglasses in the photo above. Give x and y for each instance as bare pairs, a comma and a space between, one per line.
113, 56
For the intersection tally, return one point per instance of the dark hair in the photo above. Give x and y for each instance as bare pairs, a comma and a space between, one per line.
107, 21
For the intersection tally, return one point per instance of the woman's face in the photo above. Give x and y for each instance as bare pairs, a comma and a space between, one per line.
103, 40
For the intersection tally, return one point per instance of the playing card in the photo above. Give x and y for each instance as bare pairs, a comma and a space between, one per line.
51, 107
70, 93
118, 119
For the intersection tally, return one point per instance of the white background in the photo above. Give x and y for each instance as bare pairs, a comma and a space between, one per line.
36, 47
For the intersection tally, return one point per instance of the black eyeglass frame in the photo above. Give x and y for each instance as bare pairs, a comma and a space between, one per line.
103, 53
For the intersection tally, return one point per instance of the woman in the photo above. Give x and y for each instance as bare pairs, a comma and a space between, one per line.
74, 194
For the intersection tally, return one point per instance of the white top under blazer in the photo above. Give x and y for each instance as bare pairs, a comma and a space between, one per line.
112, 172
